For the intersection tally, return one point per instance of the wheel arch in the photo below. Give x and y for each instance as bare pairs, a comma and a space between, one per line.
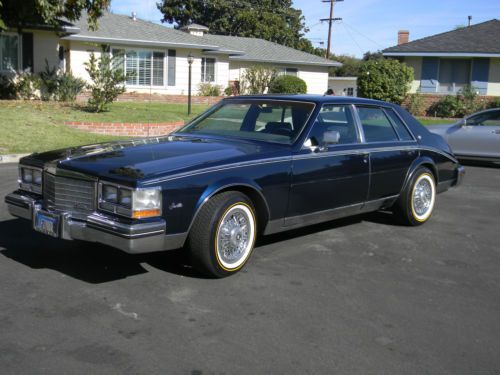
423, 161
248, 188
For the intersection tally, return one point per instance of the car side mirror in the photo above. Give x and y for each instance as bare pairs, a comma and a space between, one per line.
331, 137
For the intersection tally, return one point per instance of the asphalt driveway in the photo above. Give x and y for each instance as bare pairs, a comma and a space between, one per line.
356, 296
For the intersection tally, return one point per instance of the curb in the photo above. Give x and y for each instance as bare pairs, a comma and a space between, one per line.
12, 158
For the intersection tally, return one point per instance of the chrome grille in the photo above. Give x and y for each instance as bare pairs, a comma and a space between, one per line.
68, 194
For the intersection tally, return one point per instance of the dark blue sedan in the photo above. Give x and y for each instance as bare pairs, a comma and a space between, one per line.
247, 166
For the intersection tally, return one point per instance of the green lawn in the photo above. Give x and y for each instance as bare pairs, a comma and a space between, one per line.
432, 121
39, 126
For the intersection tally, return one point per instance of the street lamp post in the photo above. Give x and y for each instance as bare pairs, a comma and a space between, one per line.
190, 59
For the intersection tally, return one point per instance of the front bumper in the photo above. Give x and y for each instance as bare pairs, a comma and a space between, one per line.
132, 238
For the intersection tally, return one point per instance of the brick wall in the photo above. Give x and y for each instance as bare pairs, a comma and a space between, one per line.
159, 98
126, 129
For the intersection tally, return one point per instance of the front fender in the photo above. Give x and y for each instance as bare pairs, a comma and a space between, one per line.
236, 183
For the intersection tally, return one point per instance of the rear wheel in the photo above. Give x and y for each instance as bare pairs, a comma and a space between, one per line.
416, 203
223, 235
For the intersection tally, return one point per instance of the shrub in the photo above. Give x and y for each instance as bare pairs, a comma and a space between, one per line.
50, 82
207, 89
286, 84
415, 104
383, 79
448, 106
69, 87
28, 86
493, 103
107, 83
256, 79
7, 88
228, 91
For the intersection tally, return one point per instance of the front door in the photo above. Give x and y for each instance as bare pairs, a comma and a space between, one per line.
480, 136
329, 178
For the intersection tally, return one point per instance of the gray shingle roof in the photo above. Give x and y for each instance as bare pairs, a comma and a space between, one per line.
260, 50
121, 29
480, 38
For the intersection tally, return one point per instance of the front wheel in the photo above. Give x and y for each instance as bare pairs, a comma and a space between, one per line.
416, 203
223, 234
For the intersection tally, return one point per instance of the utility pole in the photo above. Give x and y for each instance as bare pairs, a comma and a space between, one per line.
330, 22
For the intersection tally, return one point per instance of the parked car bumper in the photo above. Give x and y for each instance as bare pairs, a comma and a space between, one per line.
460, 175
95, 227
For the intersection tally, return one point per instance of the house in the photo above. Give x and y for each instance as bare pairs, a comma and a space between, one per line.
444, 63
343, 86
157, 55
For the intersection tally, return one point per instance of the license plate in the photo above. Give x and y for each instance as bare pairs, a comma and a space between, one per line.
47, 223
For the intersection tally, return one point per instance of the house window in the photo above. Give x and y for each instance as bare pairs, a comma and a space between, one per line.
454, 74
143, 68
350, 91
9, 52
291, 72
171, 66
207, 69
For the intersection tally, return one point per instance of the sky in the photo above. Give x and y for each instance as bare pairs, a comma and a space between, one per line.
367, 25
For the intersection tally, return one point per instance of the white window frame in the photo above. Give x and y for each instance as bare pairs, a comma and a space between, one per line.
215, 69
165, 61
19, 52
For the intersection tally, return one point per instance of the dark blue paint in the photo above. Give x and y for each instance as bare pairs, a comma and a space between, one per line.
290, 186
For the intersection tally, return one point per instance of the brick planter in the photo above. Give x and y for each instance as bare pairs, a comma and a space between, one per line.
127, 129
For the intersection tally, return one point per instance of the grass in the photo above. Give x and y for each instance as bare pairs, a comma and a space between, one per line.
433, 121
39, 126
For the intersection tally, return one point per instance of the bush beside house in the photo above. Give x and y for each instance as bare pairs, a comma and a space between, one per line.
286, 84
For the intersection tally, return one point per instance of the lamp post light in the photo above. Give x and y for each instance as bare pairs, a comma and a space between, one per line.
190, 60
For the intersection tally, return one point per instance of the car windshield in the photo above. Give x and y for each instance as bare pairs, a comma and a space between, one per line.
264, 120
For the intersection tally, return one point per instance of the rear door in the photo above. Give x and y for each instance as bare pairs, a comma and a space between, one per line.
392, 150
479, 137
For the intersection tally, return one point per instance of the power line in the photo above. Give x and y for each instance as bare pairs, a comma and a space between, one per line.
363, 35
352, 37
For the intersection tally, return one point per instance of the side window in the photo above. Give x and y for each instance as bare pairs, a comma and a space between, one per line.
401, 129
334, 118
376, 125
484, 119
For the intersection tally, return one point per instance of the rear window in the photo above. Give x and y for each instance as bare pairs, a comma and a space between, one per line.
376, 125
401, 129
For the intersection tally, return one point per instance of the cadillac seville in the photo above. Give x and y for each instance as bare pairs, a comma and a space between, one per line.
249, 166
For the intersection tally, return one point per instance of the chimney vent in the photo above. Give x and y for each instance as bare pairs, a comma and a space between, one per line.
403, 37
134, 16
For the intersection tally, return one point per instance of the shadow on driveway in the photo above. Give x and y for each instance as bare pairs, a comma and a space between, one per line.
95, 263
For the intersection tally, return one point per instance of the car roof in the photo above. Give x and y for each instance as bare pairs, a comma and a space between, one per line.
318, 99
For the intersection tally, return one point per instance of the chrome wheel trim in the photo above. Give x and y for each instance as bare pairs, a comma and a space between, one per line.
235, 236
423, 197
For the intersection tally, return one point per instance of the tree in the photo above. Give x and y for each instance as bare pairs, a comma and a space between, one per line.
350, 66
387, 80
21, 14
107, 82
378, 55
273, 20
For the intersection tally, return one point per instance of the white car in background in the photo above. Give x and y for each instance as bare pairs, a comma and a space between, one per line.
475, 137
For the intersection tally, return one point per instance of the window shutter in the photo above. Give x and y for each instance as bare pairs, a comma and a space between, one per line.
429, 79
27, 53
171, 67
480, 73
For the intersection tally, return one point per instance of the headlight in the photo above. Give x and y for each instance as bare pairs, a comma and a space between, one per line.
133, 203
30, 179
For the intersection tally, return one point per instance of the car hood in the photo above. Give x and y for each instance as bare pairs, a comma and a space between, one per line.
442, 129
143, 159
